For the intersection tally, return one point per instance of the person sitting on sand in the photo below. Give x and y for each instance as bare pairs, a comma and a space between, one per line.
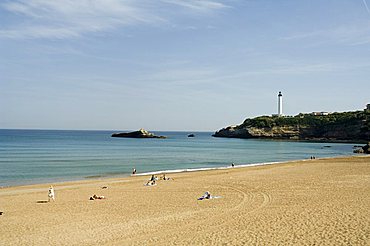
164, 177
153, 178
134, 171
206, 195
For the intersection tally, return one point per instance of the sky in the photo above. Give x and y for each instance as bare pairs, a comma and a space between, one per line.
168, 65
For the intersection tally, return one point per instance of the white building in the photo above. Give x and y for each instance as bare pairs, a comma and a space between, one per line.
280, 104
320, 113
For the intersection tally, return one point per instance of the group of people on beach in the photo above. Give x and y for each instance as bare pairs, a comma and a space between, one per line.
153, 179
151, 182
51, 195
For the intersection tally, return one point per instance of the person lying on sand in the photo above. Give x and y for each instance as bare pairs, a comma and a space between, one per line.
94, 197
208, 195
150, 183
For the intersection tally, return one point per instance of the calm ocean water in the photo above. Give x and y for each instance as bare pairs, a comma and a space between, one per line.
39, 156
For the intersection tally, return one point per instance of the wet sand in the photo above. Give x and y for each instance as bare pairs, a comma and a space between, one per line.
313, 202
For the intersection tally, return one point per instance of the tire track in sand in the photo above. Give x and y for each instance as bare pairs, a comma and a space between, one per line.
202, 225
211, 232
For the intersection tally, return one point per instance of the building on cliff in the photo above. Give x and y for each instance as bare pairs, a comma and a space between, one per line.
320, 113
280, 105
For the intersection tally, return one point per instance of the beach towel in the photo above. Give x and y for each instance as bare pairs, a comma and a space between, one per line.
211, 197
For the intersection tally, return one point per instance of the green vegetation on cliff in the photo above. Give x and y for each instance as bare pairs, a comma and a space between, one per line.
309, 120
347, 126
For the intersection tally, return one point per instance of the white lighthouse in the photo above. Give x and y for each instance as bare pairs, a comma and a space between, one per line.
280, 104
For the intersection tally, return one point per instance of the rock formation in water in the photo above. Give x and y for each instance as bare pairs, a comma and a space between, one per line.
136, 134
362, 150
366, 148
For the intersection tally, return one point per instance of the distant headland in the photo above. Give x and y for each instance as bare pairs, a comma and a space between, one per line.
136, 134
351, 126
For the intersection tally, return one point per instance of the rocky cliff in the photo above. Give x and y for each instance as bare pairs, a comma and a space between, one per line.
347, 126
289, 132
362, 150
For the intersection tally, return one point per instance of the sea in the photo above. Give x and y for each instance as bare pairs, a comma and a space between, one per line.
51, 156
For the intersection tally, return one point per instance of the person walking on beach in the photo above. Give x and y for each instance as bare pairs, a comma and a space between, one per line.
51, 194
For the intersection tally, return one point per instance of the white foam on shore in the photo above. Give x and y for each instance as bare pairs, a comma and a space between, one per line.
236, 166
214, 168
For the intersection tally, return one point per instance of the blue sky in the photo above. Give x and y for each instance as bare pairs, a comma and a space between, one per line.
178, 64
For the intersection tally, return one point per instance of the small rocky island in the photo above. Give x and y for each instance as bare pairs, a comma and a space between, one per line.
347, 126
136, 134
362, 150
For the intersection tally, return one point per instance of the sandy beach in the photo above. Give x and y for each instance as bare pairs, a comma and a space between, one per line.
313, 202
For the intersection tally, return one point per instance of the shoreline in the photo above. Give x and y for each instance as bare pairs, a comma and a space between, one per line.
241, 165
170, 171
313, 140
102, 178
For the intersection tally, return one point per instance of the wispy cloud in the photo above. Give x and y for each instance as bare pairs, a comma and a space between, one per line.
182, 76
290, 68
199, 5
296, 67
69, 18
351, 34
366, 6
303, 35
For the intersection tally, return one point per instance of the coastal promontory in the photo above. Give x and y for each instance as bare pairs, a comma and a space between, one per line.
346, 126
136, 134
